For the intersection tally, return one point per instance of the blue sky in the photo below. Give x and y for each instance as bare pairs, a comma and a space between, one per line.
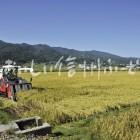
105, 25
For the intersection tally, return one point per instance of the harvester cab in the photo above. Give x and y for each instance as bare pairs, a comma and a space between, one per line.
11, 84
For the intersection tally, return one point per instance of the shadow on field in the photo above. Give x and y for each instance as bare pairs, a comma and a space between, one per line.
57, 134
39, 89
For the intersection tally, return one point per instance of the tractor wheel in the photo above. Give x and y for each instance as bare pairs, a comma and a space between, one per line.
14, 98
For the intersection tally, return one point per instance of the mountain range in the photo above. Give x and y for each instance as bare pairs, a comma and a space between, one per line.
43, 53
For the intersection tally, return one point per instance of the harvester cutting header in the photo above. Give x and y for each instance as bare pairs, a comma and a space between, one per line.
10, 83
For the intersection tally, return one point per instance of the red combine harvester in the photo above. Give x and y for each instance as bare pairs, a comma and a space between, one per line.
10, 83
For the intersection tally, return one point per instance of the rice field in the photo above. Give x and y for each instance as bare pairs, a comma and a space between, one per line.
60, 100
123, 124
